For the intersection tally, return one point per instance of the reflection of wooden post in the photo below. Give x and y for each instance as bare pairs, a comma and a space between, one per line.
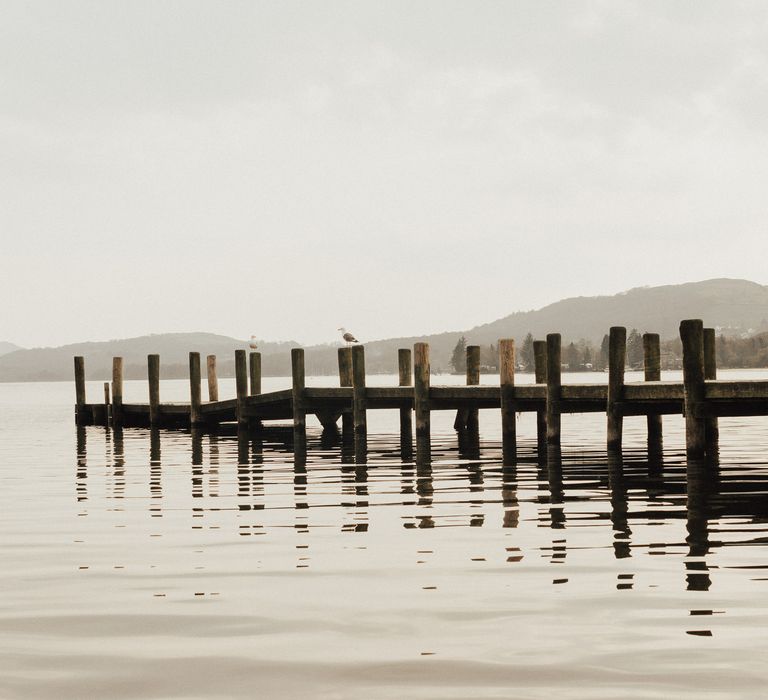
345, 380
692, 335
153, 376
554, 383
710, 372
213, 382
80, 390
540, 369
254, 367
652, 373
421, 400
507, 398
299, 409
117, 392
617, 356
405, 378
195, 389
241, 386
359, 402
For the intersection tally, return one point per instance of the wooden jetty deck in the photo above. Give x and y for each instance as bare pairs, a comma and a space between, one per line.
700, 397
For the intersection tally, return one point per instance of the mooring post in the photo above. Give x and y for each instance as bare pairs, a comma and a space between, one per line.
421, 400
241, 387
195, 389
254, 370
80, 390
617, 356
106, 404
540, 377
213, 382
359, 403
554, 384
299, 408
153, 377
692, 335
507, 399
710, 372
117, 392
345, 380
652, 373
405, 378
471, 421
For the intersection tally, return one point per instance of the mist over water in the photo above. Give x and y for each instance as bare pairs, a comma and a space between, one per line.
161, 564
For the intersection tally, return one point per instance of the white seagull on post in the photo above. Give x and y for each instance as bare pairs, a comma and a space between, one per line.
348, 337
253, 344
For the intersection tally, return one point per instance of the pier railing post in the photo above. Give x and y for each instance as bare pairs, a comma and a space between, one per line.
153, 377
195, 389
554, 384
405, 378
652, 373
692, 335
299, 407
213, 382
359, 402
254, 370
80, 390
710, 372
617, 356
507, 399
241, 387
421, 406
540, 372
345, 380
117, 392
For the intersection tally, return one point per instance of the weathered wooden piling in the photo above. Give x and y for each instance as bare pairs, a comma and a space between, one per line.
254, 371
554, 384
421, 405
710, 372
359, 403
405, 378
80, 390
540, 377
106, 404
213, 382
117, 392
617, 356
692, 335
507, 399
195, 389
345, 380
652, 373
153, 377
470, 416
241, 387
299, 406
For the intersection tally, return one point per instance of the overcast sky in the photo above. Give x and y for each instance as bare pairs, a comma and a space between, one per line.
285, 168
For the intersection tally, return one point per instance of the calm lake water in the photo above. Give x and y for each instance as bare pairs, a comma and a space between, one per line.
155, 566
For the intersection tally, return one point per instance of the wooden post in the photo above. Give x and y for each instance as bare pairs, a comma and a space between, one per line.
652, 373
254, 367
153, 376
345, 380
405, 378
359, 403
473, 379
692, 335
80, 390
241, 387
117, 392
195, 389
299, 409
106, 404
421, 400
553, 389
710, 372
540, 370
617, 356
213, 382
507, 398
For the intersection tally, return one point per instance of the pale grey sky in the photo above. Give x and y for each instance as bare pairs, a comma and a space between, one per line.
284, 168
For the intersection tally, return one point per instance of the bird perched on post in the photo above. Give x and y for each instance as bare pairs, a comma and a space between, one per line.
253, 344
348, 337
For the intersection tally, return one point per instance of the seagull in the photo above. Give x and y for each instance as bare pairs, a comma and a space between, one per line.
348, 337
253, 344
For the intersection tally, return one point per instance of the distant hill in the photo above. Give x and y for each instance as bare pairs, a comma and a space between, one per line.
737, 308
6, 347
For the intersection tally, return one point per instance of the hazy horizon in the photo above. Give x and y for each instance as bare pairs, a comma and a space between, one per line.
285, 168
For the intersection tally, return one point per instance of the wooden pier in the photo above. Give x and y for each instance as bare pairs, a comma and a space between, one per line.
700, 397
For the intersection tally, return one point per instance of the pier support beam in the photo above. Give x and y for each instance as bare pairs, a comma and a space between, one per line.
652, 373
359, 402
241, 387
692, 335
299, 408
467, 418
421, 401
345, 380
117, 392
540, 371
507, 399
106, 405
553, 389
153, 377
617, 356
195, 390
710, 372
80, 418
405, 378
213, 382
254, 371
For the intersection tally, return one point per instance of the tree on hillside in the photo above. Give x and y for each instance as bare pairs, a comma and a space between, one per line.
459, 356
572, 357
634, 349
526, 353
604, 352
489, 357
